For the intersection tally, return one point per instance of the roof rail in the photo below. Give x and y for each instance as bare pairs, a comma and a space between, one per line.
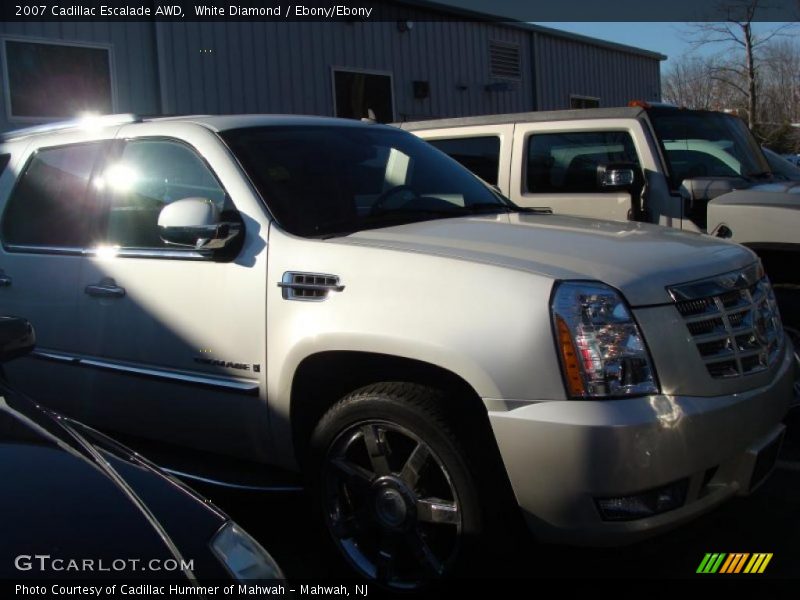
86, 122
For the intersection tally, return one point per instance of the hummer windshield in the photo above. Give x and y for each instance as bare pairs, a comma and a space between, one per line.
322, 181
706, 144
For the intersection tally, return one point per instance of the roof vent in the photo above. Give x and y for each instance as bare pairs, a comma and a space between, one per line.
504, 60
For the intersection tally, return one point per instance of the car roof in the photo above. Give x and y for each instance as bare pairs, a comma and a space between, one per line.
215, 123
622, 112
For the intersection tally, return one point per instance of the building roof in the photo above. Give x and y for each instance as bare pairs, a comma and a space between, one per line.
548, 31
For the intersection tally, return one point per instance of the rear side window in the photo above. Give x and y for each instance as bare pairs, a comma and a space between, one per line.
47, 207
481, 155
4, 159
567, 162
149, 175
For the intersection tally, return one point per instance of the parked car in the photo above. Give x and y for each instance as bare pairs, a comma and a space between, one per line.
792, 158
77, 505
688, 169
782, 166
339, 298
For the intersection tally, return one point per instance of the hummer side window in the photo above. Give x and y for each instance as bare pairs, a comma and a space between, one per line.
481, 154
567, 162
148, 175
48, 205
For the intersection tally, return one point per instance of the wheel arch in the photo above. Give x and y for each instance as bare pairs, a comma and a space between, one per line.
323, 378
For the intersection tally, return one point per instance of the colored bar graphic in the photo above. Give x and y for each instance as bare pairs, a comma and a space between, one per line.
721, 562
737, 563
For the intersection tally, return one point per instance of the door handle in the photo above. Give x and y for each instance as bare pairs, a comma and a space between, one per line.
5, 280
106, 288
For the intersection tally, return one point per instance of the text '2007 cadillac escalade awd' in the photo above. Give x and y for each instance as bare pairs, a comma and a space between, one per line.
342, 299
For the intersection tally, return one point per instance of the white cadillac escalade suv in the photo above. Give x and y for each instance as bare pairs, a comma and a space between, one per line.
343, 300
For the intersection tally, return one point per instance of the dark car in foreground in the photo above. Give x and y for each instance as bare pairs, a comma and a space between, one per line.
77, 505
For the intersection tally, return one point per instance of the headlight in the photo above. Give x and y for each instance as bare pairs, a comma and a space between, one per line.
242, 555
602, 351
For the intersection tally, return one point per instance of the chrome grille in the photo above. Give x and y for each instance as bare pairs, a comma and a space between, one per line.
734, 321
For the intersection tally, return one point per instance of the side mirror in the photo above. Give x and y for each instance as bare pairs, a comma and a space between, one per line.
614, 177
625, 177
195, 223
703, 189
17, 338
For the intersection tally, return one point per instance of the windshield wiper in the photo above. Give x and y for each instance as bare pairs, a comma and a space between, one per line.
384, 218
760, 175
489, 207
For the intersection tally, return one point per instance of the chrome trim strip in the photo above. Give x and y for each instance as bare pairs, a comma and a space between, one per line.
147, 253
717, 285
61, 250
231, 384
235, 486
121, 252
54, 356
239, 385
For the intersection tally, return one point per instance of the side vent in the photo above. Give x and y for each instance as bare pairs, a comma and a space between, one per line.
308, 286
504, 60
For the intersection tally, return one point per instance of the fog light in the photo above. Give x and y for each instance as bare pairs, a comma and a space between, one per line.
644, 504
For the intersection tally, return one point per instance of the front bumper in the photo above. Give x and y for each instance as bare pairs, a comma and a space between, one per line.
561, 456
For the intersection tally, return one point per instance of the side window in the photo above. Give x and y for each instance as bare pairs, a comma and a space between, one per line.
48, 205
567, 162
481, 155
148, 175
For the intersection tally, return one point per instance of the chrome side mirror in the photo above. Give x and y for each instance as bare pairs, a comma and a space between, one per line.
195, 223
618, 176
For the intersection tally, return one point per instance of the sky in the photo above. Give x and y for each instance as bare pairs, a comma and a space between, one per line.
658, 37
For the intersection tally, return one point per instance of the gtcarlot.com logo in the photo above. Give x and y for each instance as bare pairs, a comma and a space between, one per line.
734, 563
45, 562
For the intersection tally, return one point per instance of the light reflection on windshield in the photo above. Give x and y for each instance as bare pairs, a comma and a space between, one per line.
331, 180
706, 144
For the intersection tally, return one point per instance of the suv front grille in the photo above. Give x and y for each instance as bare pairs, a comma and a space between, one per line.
734, 321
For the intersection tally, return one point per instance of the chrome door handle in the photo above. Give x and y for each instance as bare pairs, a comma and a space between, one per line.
5, 280
106, 288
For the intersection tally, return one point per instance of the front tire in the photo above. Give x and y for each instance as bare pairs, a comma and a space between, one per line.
397, 494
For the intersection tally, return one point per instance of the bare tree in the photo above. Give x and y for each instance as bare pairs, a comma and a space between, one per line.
780, 82
690, 82
736, 35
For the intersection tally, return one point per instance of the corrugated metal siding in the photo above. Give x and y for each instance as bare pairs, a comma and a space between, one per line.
287, 67
565, 67
133, 59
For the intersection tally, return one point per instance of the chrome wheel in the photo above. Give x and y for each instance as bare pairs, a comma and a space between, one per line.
390, 504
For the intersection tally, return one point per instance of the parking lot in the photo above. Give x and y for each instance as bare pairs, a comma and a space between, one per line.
767, 521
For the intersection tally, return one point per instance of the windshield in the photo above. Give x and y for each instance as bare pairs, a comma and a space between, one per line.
323, 180
706, 144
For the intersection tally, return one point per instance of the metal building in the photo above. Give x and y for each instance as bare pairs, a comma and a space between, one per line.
423, 66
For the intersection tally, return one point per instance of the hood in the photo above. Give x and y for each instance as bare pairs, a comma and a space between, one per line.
784, 194
767, 215
59, 501
638, 259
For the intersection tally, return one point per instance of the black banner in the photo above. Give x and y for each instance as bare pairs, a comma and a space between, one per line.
394, 10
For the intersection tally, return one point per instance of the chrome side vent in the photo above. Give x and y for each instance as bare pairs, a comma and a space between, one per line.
734, 320
308, 286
